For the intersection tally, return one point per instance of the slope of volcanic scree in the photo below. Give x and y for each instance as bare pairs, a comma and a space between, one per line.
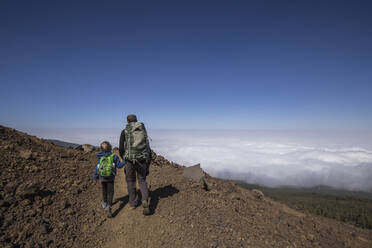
44, 192
48, 199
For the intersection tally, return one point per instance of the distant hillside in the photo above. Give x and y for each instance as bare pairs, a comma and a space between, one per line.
63, 143
321, 190
354, 207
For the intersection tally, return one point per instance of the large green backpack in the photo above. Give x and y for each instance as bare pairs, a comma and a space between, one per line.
105, 165
137, 146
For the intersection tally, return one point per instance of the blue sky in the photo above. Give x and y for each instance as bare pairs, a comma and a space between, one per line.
189, 64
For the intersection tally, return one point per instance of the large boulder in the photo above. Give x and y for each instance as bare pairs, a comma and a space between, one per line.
196, 174
258, 194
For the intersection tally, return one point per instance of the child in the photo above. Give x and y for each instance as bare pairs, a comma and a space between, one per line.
105, 171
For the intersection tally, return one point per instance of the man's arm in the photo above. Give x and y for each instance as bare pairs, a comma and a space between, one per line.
122, 143
119, 163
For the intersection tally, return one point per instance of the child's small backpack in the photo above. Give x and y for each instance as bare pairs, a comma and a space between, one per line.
105, 166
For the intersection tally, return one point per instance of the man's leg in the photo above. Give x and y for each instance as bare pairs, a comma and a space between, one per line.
130, 177
143, 186
141, 173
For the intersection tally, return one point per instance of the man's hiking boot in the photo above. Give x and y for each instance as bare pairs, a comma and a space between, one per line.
132, 207
104, 205
108, 211
146, 208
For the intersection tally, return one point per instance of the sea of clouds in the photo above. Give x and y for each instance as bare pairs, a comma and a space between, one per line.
340, 159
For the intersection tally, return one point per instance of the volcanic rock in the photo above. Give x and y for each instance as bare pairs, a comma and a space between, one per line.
25, 154
258, 194
196, 174
86, 148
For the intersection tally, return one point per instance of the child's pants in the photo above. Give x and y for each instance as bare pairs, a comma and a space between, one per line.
108, 192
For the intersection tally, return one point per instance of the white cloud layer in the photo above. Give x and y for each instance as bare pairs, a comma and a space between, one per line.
270, 158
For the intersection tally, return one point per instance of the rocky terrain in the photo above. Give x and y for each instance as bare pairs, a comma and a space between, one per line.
44, 190
48, 199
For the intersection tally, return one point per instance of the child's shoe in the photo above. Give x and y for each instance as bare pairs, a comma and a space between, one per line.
146, 208
104, 205
108, 211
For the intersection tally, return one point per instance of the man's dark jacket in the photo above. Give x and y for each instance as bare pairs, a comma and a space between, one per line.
122, 143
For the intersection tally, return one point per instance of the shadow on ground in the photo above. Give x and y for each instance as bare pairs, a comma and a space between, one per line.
162, 192
123, 201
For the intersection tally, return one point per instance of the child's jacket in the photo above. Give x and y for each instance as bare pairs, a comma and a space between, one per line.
117, 164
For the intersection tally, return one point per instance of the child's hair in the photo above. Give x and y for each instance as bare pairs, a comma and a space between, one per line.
106, 146
115, 150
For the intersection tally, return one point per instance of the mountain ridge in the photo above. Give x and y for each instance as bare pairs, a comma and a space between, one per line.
63, 143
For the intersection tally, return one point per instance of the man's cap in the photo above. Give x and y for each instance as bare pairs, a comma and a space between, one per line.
131, 118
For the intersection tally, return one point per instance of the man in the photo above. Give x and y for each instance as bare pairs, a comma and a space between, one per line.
135, 149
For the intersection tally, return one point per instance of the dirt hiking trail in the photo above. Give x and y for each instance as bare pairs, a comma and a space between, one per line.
130, 228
